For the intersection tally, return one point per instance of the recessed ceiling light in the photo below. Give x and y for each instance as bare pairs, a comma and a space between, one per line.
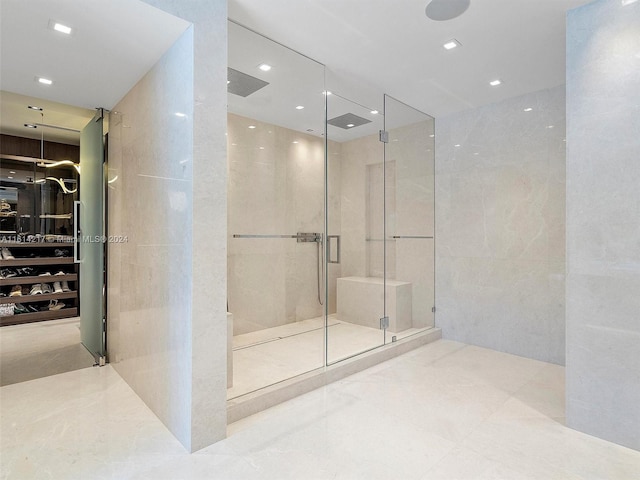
44, 81
58, 27
476, 153
228, 82
299, 107
457, 145
180, 114
264, 67
549, 126
261, 148
30, 125
295, 141
451, 44
252, 126
33, 107
495, 83
628, 2
528, 109
374, 112
350, 125
326, 92
432, 135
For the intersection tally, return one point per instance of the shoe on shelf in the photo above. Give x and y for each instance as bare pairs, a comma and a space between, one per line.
65, 286
26, 271
46, 288
44, 274
8, 273
59, 273
57, 287
61, 253
19, 308
16, 291
55, 305
36, 289
6, 254
32, 308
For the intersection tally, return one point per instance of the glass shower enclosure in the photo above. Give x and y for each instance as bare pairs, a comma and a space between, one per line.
330, 217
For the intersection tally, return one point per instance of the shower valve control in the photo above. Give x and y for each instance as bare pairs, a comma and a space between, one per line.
308, 237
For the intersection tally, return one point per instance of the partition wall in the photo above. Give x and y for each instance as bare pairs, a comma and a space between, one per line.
330, 217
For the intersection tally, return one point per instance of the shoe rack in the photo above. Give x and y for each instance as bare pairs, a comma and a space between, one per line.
41, 258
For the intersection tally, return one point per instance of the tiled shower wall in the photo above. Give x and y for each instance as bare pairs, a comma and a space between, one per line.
500, 223
276, 187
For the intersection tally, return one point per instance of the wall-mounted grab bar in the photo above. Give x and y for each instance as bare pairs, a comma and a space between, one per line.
409, 236
302, 237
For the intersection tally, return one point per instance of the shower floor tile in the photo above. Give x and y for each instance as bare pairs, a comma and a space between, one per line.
269, 356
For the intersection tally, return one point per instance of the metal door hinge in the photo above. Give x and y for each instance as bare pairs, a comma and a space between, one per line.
433, 309
384, 323
384, 136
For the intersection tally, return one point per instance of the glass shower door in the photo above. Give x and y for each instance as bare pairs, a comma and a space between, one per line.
355, 229
409, 160
275, 205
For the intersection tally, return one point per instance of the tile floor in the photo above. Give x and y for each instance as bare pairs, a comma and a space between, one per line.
35, 350
443, 411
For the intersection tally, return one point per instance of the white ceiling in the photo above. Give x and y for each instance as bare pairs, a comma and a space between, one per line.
390, 46
113, 44
368, 46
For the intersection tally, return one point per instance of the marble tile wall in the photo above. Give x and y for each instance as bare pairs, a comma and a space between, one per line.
603, 229
500, 221
276, 187
166, 334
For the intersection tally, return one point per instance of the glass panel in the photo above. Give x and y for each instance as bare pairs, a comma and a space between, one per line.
92, 230
355, 216
275, 211
410, 158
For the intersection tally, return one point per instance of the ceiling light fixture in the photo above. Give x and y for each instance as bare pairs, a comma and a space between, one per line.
252, 126
295, 141
350, 125
58, 27
299, 107
264, 67
457, 145
44, 81
180, 114
495, 83
441, 10
30, 125
326, 92
33, 107
374, 112
451, 44
528, 109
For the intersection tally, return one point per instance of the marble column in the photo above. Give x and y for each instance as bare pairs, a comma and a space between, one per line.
603, 220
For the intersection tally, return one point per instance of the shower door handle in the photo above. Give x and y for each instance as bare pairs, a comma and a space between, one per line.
329, 242
77, 233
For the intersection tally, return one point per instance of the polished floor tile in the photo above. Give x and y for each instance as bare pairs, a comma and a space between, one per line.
445, 411
35, 350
